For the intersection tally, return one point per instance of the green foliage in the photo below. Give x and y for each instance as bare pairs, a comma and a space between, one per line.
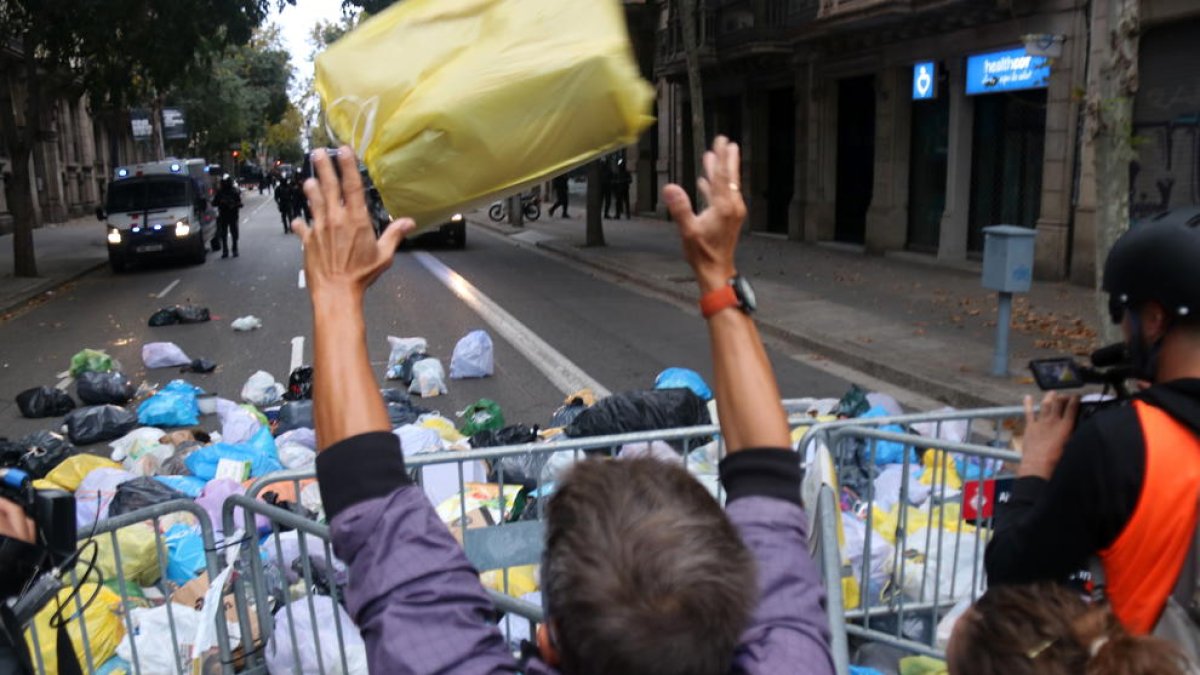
284, 137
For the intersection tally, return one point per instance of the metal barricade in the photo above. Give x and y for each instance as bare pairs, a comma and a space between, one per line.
131, 562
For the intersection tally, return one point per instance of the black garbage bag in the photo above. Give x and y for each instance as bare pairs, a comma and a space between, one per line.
176, 464
566, 414
295, 415
633, 411
853, 404
43, 450
300, 384
167, 316
395, 396
192, 314
102, 388
99, 423
139, 493
515, 434
404, 413
202, 366
520, 470
406, 367
10, 453
44, 402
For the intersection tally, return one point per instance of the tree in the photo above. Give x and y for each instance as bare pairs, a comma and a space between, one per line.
689, 11
1110, 116
320, 37
284, 137
115, 51
595, 202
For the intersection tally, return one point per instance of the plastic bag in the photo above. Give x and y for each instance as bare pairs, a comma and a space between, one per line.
473, 356
393, 395
300, 384
296, 456
259, 451
139, 555
443, 426
401, 350
135, 442
42, 451
95, 493
102, 388
247, 323
522, 470
157, 653
238, 425
305, 437
212, 499
262, 390
185, 553
428, 379
295, 415
91, 361
192, 314
315, 631
482, 415
517, 434
139, 493
176, 464
641, 411
167, 316
169, 409
571, 408
100, 617
164, 355
888, 452
415, 440
44, 402
682, 378
202, 366
75, 468
188, 485
99, 423
853, 404
459, 90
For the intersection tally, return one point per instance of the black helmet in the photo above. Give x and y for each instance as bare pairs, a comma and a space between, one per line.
1155, 261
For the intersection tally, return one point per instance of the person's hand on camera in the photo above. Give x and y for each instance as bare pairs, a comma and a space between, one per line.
15, 524
709, 239
1046, 433
342, 257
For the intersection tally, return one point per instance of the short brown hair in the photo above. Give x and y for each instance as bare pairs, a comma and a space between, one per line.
643, 572
1046, 629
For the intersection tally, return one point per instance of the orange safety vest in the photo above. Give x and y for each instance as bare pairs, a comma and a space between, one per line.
1143, 564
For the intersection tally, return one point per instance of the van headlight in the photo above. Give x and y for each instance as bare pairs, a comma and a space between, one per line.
456, 218
182, 229
114, 236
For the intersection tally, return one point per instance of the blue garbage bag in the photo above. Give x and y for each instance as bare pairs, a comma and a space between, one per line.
863, 670
976, 468
682, 378
169, 409
188, 485
185, 553
259, 451
888, 452
182, 387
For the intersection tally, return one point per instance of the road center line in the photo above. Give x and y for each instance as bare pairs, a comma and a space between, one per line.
302, 282
561, 372
297, 353
168, 289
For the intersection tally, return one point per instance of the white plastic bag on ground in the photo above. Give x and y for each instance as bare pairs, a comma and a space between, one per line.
238, 425
164, 355
302, 436
954, 430
473, 356
262, 390
95, 494
950, 572
881, 554
247, 323
888, 482
315, 630
429, 379
152, 638
440, 481
888, 403
401, 349
296, 456
418, 440
133, 441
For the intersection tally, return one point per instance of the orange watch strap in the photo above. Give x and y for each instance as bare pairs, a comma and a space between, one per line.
715, 301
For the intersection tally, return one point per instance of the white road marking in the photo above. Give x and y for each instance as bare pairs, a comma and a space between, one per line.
297, 353
168, 289
303, 282
65, 383
557, 368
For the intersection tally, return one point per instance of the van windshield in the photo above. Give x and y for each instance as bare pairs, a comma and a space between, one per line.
147, 194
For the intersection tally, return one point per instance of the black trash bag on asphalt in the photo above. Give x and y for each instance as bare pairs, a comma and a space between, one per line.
99, 423
176, 464
404, 413
515, 434
139, 493
406, 367
192, 314
102, 388
395, 396
295, 415
300, 384
634, 411
202, 366
10, 453
565, 415
44, 402
167, 316
42, 451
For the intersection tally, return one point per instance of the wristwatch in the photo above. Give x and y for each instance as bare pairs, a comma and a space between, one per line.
737, 293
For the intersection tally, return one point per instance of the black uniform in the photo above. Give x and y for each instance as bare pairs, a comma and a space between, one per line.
561, 195
229, 203
283, 200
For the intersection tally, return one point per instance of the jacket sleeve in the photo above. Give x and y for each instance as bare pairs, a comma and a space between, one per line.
413, 594
790, 625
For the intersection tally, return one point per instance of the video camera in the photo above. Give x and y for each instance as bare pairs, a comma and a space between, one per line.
1110, 367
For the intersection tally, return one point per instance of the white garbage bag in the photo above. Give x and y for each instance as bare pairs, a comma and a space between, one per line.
951, 430
262, 390
95, 493
133, 441
418, 440
473, 356
164, 355
238, 425
881, 554
952, 569
888, 483
302, 436
401, 349
247, 323
296, 456
315, 630
151, 638
429, 379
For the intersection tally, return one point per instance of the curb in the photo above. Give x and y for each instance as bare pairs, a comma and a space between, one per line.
960, 396
49, 285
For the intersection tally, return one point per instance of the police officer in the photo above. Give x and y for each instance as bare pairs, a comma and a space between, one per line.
283, 200
1120, 493
228, 201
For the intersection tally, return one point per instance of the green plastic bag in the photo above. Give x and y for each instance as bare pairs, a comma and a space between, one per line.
258, 414
853, 404
482, 415
91, 361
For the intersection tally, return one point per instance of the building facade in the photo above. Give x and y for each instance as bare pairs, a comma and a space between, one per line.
904, 127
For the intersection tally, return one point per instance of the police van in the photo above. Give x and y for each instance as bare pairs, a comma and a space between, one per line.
157, 210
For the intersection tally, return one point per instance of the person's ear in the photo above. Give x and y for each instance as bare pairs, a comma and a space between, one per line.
546, 648
1154, 322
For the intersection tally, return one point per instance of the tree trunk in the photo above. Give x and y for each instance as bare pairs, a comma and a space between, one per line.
595, 204
689, 14
516, 211
21, 142
1110, 107
160, 151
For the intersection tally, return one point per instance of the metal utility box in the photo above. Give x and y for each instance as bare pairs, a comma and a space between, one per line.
1008, 258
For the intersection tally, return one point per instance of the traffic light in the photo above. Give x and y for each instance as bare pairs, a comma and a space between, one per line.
236, 154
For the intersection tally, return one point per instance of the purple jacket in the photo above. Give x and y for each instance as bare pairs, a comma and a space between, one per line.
421, 608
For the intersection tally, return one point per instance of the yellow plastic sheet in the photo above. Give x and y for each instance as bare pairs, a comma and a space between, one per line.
104, 627
70, 473
454, 103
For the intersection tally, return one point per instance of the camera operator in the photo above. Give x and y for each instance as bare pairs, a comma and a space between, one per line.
1123, 488
17, 533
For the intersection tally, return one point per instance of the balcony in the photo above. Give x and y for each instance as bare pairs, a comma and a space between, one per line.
732, 29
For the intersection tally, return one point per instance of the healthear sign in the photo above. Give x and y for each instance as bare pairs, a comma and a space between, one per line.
1007, 70
924, 81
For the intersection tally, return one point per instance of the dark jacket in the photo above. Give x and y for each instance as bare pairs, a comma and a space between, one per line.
228, 200
421, 609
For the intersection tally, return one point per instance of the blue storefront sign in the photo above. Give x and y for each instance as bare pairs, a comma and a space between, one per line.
1008, 70
924, 81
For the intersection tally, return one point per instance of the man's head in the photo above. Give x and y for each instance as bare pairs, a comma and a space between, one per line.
643, 572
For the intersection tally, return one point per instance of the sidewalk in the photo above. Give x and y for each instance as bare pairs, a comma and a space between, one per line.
922, 327
64, 253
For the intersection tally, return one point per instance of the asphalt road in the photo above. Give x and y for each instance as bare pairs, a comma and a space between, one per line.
594, 328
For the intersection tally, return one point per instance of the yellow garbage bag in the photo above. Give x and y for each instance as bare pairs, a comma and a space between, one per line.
139, 556
443, 426
43, 484
922, 665
521, 580
454, 104
947, 473
100, 618
70, 473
